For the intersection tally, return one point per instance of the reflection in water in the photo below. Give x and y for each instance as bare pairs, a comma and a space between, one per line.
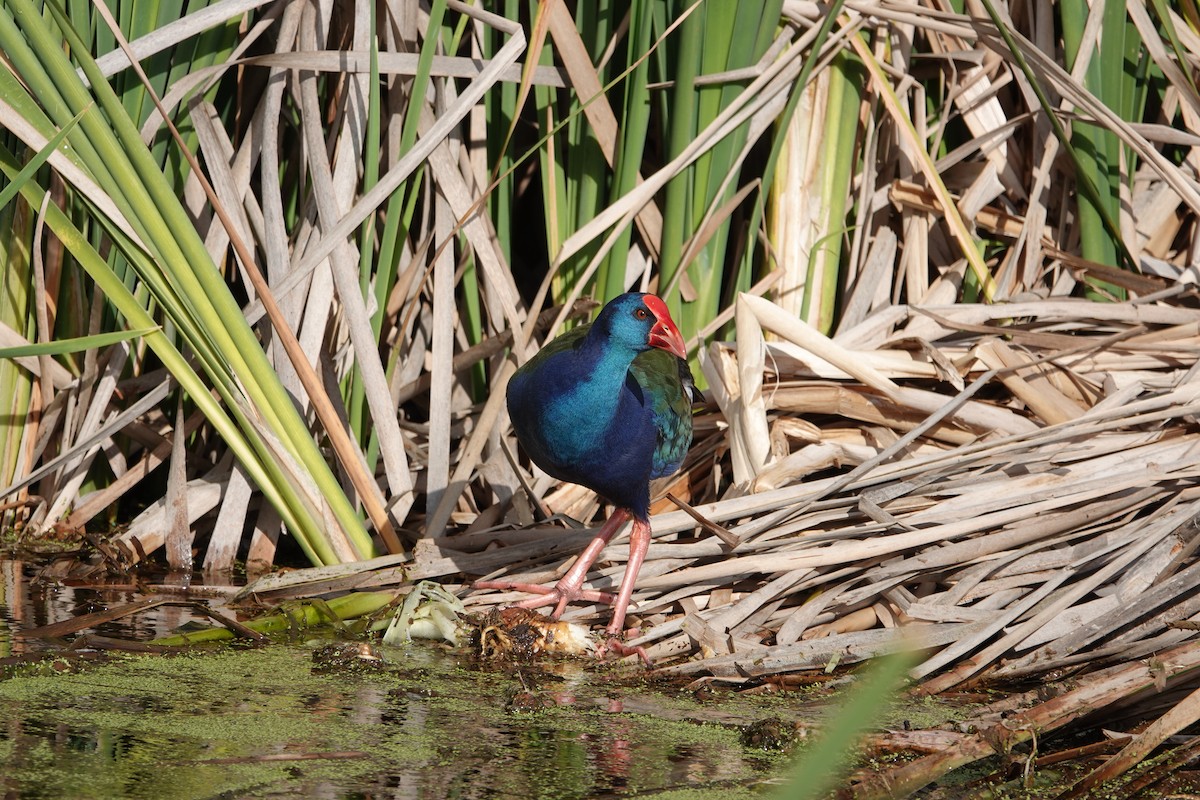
31, 597
263, 722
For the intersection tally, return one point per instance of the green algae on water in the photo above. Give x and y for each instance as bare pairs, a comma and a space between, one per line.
272, 722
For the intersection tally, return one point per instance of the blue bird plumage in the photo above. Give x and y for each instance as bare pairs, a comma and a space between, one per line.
608, 406
602, 407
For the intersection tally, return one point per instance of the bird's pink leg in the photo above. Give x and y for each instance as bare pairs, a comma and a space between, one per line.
639, 544
570, 586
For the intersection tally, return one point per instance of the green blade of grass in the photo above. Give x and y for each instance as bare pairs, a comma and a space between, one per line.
825, 763
60, 346
10, 191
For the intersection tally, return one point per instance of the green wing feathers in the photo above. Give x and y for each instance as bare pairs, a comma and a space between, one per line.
668, 386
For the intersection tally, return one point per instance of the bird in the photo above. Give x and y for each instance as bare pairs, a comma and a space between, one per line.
607, 406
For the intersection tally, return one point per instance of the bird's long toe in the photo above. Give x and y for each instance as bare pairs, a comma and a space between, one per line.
562, 596
615, 644
559, 595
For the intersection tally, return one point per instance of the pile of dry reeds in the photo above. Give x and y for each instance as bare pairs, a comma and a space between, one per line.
1010, 486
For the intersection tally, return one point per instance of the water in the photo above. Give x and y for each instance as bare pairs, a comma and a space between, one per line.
292, 720
33, 595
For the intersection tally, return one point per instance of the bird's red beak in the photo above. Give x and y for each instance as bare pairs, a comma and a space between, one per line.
665, 334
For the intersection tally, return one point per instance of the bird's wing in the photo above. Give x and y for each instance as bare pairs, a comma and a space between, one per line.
667, 387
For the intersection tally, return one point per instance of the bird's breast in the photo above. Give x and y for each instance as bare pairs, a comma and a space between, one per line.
588, 421
571, 427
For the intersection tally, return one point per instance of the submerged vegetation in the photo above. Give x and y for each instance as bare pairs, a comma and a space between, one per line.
268, 270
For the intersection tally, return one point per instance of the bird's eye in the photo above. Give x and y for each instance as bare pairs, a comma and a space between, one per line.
640, 313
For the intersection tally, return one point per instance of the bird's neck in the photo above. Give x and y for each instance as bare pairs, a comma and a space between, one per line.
606, 357
604, 368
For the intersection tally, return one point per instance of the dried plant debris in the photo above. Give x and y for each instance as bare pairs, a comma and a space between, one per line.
1031, 510
520, 634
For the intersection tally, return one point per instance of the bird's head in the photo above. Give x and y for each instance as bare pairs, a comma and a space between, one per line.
641, 321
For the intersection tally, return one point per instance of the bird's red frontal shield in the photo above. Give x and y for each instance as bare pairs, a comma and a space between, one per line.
665, 334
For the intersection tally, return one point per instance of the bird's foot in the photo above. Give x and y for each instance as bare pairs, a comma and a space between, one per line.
614, 644
560, 594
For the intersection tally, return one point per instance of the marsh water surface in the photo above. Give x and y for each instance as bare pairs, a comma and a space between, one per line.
291, 720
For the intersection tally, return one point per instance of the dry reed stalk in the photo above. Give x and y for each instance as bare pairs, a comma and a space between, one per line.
999, 734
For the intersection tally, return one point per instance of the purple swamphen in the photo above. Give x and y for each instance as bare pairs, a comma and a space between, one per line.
608, 406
